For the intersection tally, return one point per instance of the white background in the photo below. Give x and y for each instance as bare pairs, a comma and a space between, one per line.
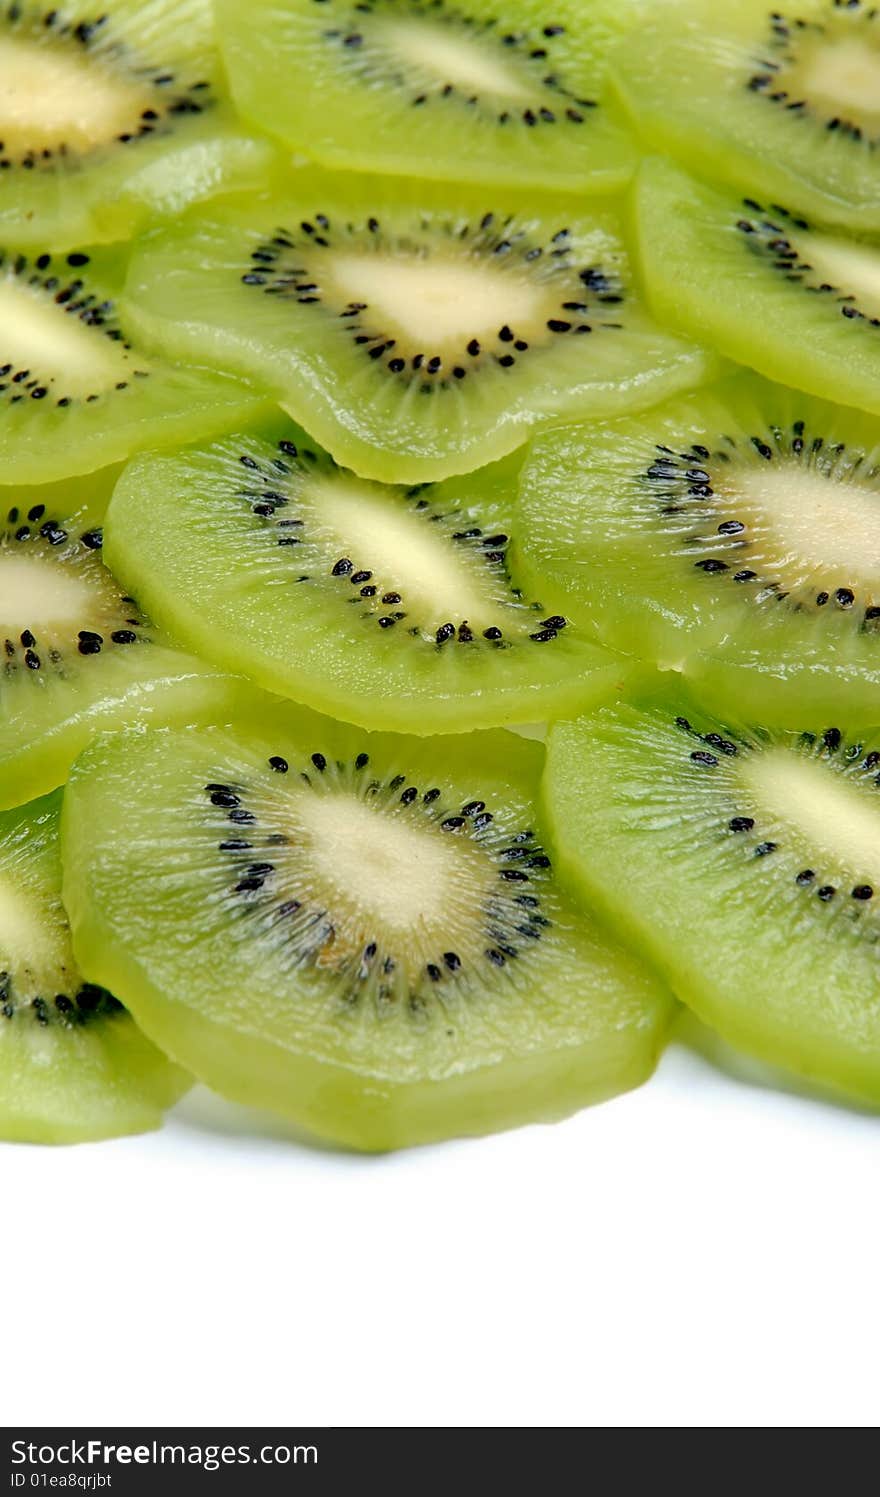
702, 1252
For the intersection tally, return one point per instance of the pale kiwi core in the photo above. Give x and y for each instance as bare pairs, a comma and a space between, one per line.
355, 518
822, 810
384, 875
801, 516
57, 346
444, 58
853, 269
436, 306
33, 940
840, 76
36, 595
51, 97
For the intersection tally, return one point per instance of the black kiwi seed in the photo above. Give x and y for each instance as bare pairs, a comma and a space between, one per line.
224, 798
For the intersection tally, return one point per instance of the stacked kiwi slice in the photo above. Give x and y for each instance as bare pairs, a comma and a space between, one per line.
439, 555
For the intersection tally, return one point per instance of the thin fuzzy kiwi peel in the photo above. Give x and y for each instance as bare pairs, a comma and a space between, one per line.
389, 606
801, 304
732, 536
490, 91
360, 932
77, 653
416, 331
77, 392
782, 104
109, 115
73, 1065
741, 861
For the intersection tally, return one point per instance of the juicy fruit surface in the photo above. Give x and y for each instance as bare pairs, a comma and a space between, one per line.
108, 114
784, 103
73, 1066
363, 933
76, 652
483, 91
76, 393
799, 306
384, 605
415, 332
745, 863
733, 535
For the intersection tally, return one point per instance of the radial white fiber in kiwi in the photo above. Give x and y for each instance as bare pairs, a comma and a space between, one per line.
110, 115
415, 331
392, 606
73, 1066
363, 933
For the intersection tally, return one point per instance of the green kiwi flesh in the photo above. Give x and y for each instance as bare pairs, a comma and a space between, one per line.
488, 91
73, 1065
743, 862
799, 305
110, 114
76, 653
387, 606
784, 104
415, 331
359, 932
76, 392
732, 535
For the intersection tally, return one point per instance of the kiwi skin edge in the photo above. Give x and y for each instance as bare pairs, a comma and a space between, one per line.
380, 1123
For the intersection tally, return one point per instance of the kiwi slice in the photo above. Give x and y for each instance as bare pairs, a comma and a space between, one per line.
76, 652
73, 1065
361, 932
743, 861
484, 90
415, 331
733, 534
783, 103
111, 112
76, 393
387, 606
800, 306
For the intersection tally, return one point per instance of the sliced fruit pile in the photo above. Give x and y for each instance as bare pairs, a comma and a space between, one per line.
427, 657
